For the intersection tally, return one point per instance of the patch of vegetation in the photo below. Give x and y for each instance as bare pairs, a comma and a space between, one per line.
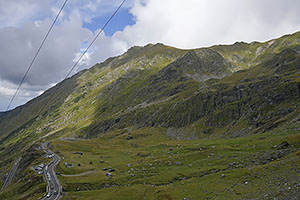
169, 124
252, 167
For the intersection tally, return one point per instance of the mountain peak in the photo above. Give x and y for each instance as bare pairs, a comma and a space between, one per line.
138, 110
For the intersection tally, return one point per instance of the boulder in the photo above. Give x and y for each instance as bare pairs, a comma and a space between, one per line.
134, 145
178, 163
283, 145
129, 137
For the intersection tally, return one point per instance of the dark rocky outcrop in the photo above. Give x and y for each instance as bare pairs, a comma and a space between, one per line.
283, 145
259, 101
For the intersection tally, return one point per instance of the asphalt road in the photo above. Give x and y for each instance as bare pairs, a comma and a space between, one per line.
10, 175
54, 188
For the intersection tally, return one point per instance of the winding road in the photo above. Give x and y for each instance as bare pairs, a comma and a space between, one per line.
10, 175
54, 188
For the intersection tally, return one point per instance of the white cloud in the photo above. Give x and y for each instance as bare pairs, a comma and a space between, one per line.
56, 56
21, 37
14, 13
84, 60
7, 90
90, 9
53, 62
196, 23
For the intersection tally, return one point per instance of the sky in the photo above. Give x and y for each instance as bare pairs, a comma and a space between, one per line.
184, 24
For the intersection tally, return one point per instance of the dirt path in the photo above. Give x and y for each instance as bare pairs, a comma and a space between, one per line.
76, 175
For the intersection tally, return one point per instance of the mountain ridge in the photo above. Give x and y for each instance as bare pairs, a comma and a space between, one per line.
164, 101
136, 52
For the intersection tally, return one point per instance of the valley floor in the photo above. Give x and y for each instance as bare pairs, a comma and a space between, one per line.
145, 164
237, 107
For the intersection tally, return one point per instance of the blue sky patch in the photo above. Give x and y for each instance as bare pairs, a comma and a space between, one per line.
118, 23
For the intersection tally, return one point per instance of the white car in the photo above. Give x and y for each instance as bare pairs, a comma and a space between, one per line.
48, 195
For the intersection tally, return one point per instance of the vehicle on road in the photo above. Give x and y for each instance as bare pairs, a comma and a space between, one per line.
53, 187
48, 176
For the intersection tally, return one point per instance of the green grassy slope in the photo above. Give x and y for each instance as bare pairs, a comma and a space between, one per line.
243, 55
159, 168
242, 98
22, 117
238, 104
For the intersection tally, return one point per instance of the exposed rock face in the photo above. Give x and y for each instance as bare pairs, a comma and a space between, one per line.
283, 145
257, 101
240, 89
200, 65
223, 91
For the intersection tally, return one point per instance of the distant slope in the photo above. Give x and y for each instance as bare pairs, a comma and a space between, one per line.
245, 102
23, 117
161, 86
243, 55
162, 93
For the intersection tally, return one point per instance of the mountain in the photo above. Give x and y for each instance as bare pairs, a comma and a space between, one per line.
2, 113
175, 117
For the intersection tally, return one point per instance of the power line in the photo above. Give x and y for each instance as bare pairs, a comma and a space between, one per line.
36, 55
94, 40
85, 51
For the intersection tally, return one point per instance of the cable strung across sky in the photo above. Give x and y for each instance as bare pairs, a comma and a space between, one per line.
96, 37
79, 59
86, 50
36, 55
